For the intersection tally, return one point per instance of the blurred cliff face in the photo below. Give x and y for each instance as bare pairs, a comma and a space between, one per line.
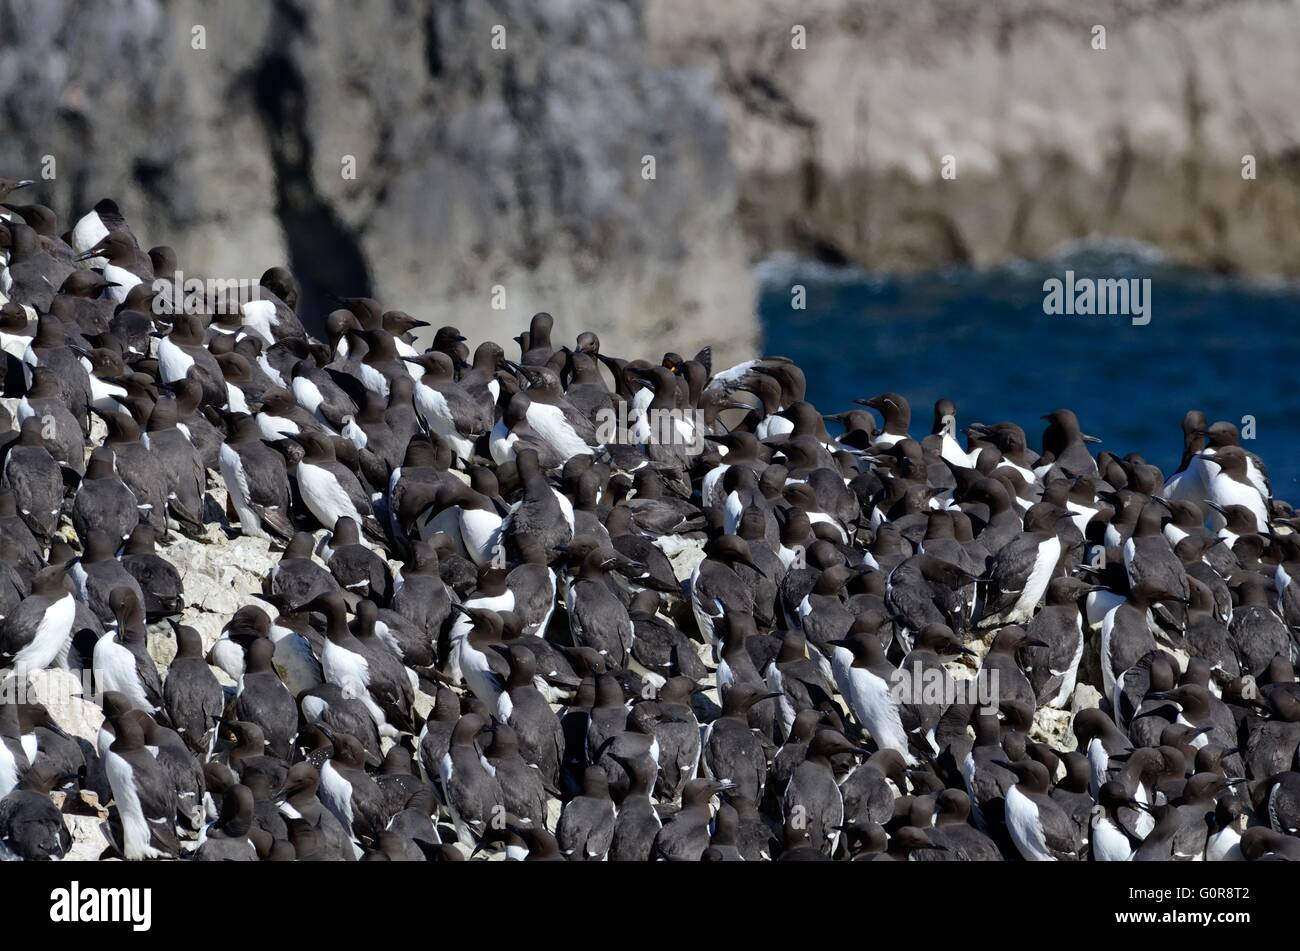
469, 162
622, 164
906, 134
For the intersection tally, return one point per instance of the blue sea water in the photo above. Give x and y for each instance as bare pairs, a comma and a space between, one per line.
1227, 346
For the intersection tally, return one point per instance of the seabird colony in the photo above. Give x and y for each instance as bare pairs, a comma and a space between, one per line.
567, 605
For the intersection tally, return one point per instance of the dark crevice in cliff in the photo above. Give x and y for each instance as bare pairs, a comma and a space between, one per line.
1124, 163
523, 104
822, 248
80, 132
432, 46
325, 253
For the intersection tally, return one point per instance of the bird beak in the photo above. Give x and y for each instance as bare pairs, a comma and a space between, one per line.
1149, 713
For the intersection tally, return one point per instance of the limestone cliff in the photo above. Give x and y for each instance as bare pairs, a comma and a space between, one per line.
475, 166
840, 144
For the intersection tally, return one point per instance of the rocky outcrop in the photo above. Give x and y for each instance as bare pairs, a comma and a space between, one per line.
483, 176
840, 145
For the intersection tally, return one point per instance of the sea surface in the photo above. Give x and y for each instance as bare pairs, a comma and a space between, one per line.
1227, 346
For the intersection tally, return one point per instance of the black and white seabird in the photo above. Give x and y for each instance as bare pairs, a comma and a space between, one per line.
122, 660
192, 696
686, 837
32, 828
813, 795
262, 698
103, 501
39, 633
1040, 828
866, 681
731, 750
469, 784
159, 580
146, 799
597, 618
35, 478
